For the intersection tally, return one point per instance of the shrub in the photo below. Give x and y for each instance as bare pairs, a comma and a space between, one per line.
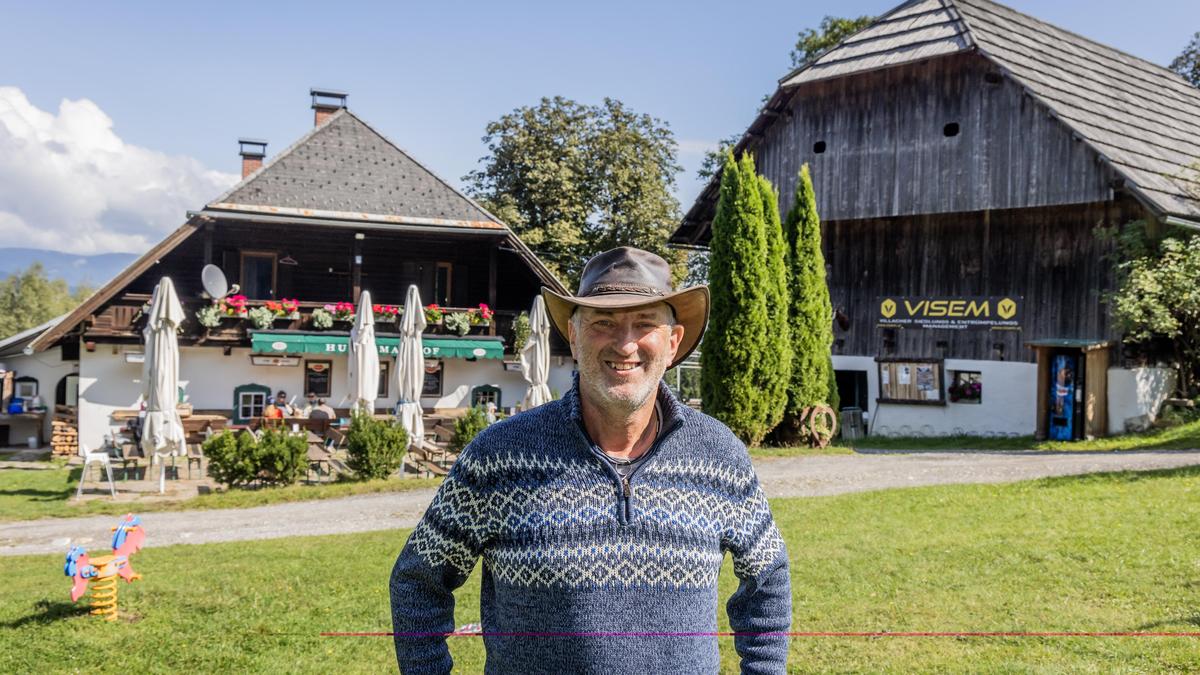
467, 427
238, 458
374, 447
280, 457
231, 457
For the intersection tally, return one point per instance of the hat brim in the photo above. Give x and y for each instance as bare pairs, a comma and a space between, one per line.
690, 304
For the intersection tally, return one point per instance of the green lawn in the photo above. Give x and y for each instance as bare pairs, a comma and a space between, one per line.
1184, 436
26, 494
1112, 552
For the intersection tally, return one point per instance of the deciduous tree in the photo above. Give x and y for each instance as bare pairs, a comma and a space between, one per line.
574, 180
29, 298
1187, 64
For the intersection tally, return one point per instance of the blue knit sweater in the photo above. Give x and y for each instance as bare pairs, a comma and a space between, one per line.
585, 573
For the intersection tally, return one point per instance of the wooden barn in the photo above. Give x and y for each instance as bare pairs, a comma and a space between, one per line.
963, 154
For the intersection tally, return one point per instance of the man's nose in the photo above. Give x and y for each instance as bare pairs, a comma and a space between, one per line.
626, 341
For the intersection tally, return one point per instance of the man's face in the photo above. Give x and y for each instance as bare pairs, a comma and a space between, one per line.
622, 354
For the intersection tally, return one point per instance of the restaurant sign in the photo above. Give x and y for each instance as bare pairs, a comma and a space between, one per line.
432, 347
951, 313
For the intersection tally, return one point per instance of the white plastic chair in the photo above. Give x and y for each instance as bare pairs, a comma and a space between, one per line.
90, 457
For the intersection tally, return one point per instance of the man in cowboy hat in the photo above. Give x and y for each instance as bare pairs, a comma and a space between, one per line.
602, 518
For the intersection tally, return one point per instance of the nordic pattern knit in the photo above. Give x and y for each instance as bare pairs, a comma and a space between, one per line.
584, 573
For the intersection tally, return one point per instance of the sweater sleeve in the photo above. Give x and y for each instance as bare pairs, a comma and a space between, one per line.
760, 611
438, 558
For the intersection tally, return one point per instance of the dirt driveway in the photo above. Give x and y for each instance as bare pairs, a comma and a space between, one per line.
790, 477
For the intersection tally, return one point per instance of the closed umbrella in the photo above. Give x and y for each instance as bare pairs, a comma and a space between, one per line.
162, 430
410, 367
535, 356
364, 357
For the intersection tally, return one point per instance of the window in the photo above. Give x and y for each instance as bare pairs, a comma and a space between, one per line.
258, 275
966, 386
485, 394
318, 378
26, 387
249, 401
385, 369
433, 378
443, 284
911, 381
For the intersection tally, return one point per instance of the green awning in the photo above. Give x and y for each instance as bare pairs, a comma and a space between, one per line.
435, 347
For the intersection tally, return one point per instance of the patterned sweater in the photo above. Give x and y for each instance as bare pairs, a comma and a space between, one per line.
586, 573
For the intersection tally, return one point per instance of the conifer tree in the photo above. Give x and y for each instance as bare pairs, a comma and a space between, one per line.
737, 333
811, 312
775, 371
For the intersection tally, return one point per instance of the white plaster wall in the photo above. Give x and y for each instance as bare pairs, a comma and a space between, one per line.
106, 383
48, 367
867, 364
1134, 392
461, 376
1009, 406
208, 378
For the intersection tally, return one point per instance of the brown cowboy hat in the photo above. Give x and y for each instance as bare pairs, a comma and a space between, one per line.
626, 278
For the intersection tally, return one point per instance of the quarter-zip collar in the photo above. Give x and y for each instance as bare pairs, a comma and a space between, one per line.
672, 413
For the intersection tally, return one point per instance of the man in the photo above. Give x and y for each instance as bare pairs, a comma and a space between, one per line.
602, 518
281, 403
310, 403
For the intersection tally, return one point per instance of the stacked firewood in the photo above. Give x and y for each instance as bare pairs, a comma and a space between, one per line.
64, 431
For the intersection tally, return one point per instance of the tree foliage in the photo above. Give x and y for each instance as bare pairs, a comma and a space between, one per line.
1157, 294
240, 458
1187, 64
28, 298
811, 313
738, 331
574, 180
810, 43
775, 372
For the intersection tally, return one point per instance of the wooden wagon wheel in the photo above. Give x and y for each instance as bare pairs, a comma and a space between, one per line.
819, 425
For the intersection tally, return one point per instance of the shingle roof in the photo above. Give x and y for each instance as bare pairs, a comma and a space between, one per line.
1142, 119
345, 166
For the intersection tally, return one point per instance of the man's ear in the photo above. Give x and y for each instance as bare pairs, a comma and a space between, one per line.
676, 339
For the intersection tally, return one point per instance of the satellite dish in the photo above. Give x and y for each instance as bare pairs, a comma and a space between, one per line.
214, 281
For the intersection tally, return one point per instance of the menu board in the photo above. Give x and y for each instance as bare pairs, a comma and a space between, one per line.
317, 378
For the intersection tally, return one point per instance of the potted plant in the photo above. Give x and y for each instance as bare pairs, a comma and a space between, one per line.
342, 311
322, 319
262, 317
520, 332
234, 306
387, 313
967, 392
481, 316
284, 309
458, 322
209, 315
434, 314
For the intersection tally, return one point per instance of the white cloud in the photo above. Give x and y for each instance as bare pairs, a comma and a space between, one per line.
68, 183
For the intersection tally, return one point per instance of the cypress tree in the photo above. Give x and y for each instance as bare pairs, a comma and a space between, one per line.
776, 369
811, 312
736, 338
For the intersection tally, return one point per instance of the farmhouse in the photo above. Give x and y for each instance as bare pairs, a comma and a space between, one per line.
342, 210
962, 155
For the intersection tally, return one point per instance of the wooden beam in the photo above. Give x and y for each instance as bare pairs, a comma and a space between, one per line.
208, 242
492, 285
1043, 392
1095, 394
356, 267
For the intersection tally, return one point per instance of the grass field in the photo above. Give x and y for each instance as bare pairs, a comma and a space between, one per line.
26, 494
1184, 436
1111, 552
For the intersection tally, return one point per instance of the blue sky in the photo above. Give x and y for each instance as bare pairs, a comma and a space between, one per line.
183, 80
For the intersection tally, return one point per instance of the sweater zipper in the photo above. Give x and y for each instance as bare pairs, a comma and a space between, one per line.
625, 512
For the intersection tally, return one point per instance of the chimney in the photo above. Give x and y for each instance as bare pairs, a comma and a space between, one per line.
325, 102
252, 151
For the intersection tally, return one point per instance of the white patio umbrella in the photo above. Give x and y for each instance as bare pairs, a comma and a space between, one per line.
162, 430
364, 357
535, 356
410, 367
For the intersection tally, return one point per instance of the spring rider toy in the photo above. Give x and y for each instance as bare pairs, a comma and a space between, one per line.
102, 572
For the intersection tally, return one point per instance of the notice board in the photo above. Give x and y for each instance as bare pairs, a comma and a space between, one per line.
911, 381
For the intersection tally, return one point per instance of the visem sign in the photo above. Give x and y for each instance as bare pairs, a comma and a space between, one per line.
961, 313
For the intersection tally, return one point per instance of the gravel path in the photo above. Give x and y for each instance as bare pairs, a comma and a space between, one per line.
781, 477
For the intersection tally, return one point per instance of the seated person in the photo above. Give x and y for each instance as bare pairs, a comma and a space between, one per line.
322, 411
311, 403
281, 402
272, 412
